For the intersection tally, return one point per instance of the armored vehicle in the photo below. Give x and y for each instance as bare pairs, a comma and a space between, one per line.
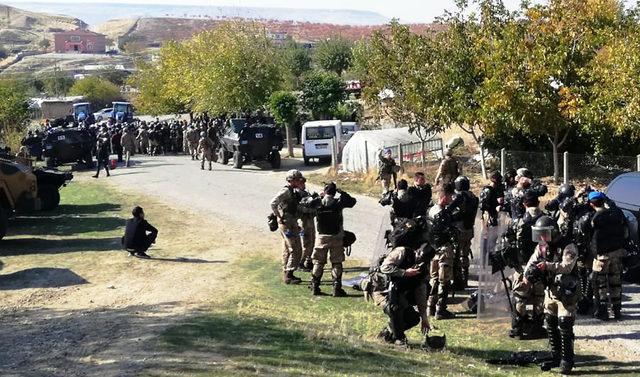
247, 143
67, 145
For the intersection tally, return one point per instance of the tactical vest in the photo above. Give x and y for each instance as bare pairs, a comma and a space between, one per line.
290, 207
527, 247
609, 231
329, 218
469, 209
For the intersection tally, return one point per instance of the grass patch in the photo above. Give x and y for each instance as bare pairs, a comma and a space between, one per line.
272, 329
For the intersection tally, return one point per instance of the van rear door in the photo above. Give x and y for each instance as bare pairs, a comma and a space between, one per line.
318, 140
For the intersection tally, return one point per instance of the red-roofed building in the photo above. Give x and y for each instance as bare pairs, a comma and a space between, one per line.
80, 41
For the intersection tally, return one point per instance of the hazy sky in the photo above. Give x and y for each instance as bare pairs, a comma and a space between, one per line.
406, 10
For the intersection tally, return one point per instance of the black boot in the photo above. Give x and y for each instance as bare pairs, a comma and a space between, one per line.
566, 337
289, 278
617, 311
516, 326
386, 335
441, 308
536, 329
337, 289
553, 333
465, 277
601, 311
315, 286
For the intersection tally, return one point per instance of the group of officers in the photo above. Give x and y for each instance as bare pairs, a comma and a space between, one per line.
566, 256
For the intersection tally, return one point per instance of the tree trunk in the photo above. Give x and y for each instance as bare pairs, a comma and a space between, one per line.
289, 131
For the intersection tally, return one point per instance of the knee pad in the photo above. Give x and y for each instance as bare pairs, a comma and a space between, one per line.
566, 323
551, 321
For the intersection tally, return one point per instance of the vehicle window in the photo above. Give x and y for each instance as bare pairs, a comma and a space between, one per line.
322, 132
121, 108
346, 129
237, 125
625, 190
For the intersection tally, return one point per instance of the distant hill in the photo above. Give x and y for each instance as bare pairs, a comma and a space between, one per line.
155, 31
98, 13
21, 29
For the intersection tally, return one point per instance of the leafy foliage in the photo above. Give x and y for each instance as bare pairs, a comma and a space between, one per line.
14, 109
322, 92
334, 54
96, 90
284, 108
297, 61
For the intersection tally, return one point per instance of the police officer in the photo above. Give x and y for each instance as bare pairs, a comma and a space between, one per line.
102, 155
609, 234
402, 205
307, 219
420, 193
463, 208
387, 169
524, 291
404, 283
565, 193
329, 237
205, 147
192, 141
554, 263
128, 143
491, 198
441, 267
285, 207
449, 169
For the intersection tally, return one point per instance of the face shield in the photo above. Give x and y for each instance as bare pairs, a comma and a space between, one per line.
543, 234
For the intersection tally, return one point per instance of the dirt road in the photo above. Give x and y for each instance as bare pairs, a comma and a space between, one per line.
242, 197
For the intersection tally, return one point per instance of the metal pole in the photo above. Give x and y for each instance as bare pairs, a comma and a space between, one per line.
566, 168
400, 155
366, 156
422, 146
639, 162
334, 154
503, 161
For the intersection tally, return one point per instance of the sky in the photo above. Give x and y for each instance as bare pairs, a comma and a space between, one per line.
405, 10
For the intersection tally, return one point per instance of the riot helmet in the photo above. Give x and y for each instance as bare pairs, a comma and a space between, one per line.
567, 190
462, 183
544, 230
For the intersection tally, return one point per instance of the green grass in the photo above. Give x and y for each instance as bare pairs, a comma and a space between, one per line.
272, 329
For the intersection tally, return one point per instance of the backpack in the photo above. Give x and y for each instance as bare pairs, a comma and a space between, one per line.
404, 233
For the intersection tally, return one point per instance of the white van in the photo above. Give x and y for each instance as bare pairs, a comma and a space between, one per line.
317, 137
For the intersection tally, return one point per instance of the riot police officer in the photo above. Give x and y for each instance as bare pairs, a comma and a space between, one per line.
554, 263
402, 206
463, 208
420, 193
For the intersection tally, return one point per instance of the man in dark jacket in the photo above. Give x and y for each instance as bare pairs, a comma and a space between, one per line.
102, 154
139, 235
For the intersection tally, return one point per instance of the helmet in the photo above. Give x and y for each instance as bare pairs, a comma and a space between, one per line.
462, 183
330, 188
202, 134
524, 172
567, 190
448, 152
496, 177
543, 230
293, 174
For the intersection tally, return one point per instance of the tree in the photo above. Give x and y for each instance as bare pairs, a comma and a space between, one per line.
334, 54
153, 98
58, 84
14, 110
96, 90
396, 69
284, 107
297, 60
322, 92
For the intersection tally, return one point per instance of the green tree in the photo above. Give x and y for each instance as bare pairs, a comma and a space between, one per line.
44, 43
14, 111
322, 92
57, 85
334, 54
153, 98
96, 90
297, 60
284, 107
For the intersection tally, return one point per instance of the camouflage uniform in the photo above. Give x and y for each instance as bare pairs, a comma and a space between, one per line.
192, 143
205, 146
307, 220
285, 203
448, 171
440, 272
387, 169
143, 141
128, 145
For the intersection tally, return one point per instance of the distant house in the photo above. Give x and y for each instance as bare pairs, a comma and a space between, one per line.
80, 41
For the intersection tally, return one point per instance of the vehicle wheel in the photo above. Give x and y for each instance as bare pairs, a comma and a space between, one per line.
4, 222
237, 160
49, 198
222, 156
275, 160
50, 162
306, 160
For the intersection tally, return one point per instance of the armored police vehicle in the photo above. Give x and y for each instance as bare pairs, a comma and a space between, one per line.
68, 145
248, 143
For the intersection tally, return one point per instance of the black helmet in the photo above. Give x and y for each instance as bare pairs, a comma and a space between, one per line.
496, 177
462, 183
544, 228
567, 190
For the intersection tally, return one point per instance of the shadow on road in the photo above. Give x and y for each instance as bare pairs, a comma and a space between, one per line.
43, 277
187, 260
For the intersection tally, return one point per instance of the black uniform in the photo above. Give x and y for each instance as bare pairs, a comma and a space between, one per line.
139, 235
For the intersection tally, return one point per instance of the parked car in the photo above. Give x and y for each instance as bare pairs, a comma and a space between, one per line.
245, 144
317, 137
624, 190
103, 114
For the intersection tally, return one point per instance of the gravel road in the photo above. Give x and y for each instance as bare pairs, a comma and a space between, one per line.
243, 196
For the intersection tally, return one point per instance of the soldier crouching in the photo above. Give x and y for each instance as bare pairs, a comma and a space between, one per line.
329, 237
285, 207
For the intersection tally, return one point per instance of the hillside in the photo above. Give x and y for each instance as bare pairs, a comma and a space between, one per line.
21, 29
155, 31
